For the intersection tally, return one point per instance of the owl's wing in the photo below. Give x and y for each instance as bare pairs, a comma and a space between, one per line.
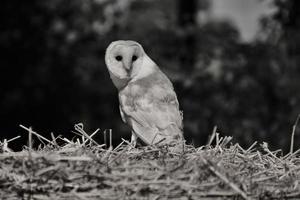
122, 114
154, 117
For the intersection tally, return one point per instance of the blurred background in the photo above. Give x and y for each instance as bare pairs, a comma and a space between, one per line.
234, 64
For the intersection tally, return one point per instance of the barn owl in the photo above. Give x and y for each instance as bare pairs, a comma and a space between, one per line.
148, 103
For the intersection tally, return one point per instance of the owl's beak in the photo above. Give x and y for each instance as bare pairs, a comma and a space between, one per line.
127, 65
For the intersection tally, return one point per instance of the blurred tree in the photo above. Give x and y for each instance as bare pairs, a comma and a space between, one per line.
187, 11
282, 28
51, 63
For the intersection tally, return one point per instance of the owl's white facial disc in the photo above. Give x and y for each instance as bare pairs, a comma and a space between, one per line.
126, 61
123, 58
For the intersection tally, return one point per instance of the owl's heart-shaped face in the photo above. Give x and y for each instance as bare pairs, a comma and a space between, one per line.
124, 58
126, 61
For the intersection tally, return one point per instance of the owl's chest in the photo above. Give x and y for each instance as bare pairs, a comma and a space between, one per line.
146, 97
136, 96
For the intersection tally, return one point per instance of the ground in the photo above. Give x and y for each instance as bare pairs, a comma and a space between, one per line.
84, 169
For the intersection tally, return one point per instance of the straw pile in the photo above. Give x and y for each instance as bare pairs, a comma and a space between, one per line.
84, 169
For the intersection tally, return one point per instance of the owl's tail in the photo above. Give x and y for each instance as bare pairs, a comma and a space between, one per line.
153, 136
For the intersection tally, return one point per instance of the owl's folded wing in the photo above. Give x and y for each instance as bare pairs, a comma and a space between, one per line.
155, 121
122, 114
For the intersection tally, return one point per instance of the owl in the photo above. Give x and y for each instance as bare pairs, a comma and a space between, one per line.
148, 103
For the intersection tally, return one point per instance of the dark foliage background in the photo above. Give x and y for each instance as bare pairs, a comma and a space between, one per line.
53, 73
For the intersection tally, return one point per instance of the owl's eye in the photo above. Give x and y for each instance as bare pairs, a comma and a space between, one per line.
119, 58
134, 58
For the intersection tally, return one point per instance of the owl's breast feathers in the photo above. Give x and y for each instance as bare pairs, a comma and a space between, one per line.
150, 106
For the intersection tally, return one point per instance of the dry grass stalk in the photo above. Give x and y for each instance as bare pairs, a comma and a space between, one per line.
36, 134
293, 134
225, 179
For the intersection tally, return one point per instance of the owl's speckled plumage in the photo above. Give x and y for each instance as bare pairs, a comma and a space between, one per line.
148, 103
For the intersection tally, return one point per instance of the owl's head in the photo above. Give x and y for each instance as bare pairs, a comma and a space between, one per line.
126, 60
